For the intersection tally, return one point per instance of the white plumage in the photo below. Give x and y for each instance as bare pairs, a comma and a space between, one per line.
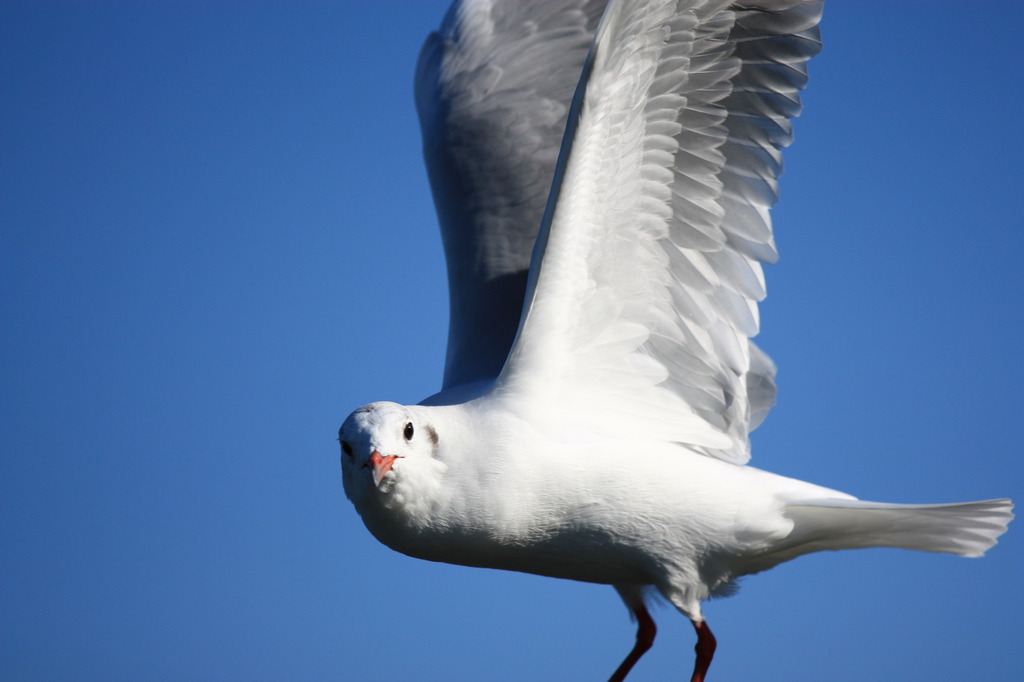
594, 418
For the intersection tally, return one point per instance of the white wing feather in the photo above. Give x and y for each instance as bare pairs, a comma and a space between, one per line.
493, 88
647, 271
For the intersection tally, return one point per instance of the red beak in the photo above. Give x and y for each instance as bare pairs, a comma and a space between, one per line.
381, 465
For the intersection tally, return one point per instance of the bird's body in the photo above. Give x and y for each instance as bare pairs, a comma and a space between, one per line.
594, 418
595, 512
497, 492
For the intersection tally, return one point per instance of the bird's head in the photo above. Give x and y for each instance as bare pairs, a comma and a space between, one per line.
382, 445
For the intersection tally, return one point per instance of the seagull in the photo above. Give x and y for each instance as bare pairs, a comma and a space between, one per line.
603, 177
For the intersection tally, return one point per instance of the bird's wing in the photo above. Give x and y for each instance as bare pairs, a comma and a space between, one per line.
493, 89
644, 285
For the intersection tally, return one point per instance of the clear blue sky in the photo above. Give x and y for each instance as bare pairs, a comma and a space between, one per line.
218, 240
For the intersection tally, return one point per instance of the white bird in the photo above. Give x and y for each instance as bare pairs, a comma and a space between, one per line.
597, 399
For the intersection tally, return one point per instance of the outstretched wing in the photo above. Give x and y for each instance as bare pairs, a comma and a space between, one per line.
493, 88
644, 286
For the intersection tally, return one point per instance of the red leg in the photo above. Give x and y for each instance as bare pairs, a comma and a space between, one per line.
645, 631
705, 650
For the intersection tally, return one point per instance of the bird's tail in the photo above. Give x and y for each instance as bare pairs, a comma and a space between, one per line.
964, 528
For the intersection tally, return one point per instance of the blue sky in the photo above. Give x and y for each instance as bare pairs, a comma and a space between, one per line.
218, 240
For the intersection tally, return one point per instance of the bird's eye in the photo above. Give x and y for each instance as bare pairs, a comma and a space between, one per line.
408, 431
346, 448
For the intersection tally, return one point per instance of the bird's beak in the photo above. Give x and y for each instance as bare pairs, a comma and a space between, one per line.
381, 465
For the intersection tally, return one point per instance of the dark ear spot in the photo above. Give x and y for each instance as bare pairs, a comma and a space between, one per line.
432, 435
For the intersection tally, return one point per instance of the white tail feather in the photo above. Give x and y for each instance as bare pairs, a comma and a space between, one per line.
964, 528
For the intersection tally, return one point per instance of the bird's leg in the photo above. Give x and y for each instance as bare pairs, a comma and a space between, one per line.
645, 631
705, 650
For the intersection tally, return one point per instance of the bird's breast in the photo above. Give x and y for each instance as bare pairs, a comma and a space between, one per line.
521, 521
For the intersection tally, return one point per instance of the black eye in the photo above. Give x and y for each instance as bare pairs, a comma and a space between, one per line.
408, 431
346, 448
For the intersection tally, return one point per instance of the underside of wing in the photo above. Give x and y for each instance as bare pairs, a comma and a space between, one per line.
493, 88
644, 286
